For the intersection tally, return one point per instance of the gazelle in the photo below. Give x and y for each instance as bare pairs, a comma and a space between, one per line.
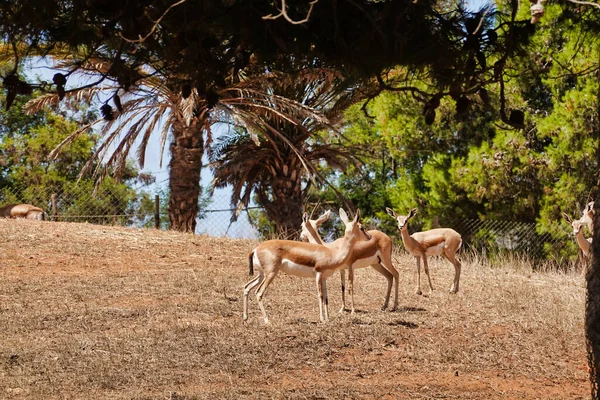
300, 259
22, 211
378, 255
584, 244
587, 217
435, 242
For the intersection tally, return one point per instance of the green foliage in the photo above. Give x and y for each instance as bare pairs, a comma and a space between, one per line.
475, 166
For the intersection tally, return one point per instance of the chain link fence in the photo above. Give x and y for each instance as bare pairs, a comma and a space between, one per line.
116, 204
146, 206
493, 238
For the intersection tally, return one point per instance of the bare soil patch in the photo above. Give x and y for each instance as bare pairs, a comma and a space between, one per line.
101, 312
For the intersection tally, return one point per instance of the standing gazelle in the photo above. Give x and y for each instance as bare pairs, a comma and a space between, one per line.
435, 242
584, 244
377, 254
300, 259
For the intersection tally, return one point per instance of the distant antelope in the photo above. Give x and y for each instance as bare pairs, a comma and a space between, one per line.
435, 242
26, 211
300, 259
378, 255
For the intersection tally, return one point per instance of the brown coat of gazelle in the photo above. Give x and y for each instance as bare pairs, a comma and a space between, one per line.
582, 242
300, 259
435, 242
378, 255
26, 211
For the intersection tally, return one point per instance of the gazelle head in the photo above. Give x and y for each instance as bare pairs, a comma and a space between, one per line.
310, 226
365, 235
353, 229
576, 224
402, 219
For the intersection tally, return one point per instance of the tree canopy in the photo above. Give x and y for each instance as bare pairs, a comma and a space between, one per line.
206, 44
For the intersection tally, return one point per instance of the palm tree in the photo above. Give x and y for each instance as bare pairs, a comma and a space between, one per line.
187, 115
277, 159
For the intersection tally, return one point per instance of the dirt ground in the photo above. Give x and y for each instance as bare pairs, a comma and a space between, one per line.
89, 311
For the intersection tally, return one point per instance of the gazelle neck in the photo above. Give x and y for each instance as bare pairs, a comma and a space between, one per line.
345, 250
405, 236
582, 242
312, 234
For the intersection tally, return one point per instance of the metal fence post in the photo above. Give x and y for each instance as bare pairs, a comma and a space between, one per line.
157, 212
53, 199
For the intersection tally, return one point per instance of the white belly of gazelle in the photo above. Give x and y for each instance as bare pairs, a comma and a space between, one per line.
304, 271
436, 250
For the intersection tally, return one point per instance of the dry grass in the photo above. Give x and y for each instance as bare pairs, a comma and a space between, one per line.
112, 313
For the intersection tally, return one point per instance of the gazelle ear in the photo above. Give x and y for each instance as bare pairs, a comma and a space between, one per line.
357, 216
567, 218
344, 216
324, 217
304, 217
412, 213
391, 212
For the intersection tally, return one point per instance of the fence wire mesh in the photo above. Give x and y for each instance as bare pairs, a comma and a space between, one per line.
493, 237
110, 204
136, 207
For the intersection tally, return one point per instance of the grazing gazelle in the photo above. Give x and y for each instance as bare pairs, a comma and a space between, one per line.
378, 255
584, 244
300, 259
22, 211
435, 242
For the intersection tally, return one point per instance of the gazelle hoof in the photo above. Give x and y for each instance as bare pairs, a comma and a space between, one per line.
418, 292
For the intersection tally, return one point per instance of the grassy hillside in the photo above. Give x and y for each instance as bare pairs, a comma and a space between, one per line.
113, 313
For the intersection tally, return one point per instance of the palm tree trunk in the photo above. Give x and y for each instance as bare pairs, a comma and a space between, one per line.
286, 209
187, 150
287, 217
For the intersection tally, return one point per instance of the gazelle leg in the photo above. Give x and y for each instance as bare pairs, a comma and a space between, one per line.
386, 261
247, 288
326, 298
261, 291
321, 295
343, 277
426, 268
418, 289
351, 287
457, 268
390, 279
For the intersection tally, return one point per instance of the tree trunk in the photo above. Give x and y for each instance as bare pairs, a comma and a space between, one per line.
286, 208
187, 150
592, 312
592, 303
